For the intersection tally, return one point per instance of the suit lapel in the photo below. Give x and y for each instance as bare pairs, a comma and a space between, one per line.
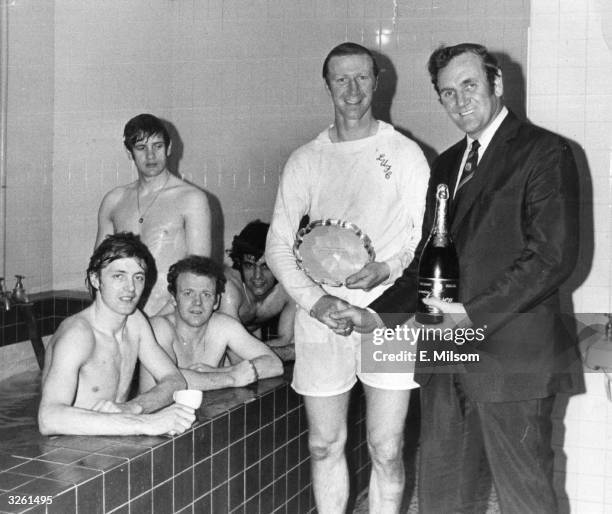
491, 166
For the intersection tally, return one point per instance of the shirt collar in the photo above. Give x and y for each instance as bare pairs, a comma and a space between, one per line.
489, 132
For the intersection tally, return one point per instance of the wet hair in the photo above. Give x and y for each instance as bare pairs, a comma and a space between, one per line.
348, 48
251, 241
198, 265
141, 128
440, 58
120, 246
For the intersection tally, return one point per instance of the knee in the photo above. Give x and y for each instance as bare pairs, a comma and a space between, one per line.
385, 451
325, 446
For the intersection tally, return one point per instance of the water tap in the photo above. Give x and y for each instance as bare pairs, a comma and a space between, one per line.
19, 293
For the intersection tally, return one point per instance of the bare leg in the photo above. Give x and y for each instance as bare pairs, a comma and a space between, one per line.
386, 416
326, 440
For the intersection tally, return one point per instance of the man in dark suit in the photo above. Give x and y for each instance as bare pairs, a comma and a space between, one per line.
514, 221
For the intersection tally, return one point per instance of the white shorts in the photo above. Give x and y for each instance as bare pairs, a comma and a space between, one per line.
327, 364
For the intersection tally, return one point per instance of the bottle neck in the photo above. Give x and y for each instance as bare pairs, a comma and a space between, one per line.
440, 229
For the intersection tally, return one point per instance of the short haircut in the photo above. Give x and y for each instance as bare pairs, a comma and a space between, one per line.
198, 265
119, 246
348, 48
141, 128
440, 58
251, 241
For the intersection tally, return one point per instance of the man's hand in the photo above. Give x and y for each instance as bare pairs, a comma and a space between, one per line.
372, 274
362, 320
454, 311
324, 307
173, 420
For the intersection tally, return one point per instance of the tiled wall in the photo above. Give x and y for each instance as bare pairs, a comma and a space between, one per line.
239, 80
570, 92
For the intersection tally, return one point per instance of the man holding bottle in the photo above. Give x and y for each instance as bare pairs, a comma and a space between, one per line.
362, 171
514, 223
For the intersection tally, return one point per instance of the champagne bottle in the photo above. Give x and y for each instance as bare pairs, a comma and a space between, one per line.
439, 266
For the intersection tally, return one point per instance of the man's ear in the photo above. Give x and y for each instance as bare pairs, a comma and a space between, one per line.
94, 280
129, 153
498, 84
217, 302
169, 149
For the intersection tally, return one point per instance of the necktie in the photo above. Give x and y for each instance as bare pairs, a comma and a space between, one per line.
470, 165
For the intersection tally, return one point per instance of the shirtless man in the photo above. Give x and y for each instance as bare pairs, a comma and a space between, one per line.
254, 296
91, 358
196, 337
171, 216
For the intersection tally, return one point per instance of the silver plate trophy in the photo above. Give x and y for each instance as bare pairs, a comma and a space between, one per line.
330, 250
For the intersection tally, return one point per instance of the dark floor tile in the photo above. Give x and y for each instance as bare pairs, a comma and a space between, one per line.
116, 486
183, 489
140, 475
220, 468
251, 450
252, 416
220, 433
100, 462
37, 468
43, 487
252, 505
236, 491
266, 500
293, 424
293, 482
280, 402
280, 492
74, 474
183, 452
163, 498
64, 455
163, 463
8, 461
280, 462
9, 480
293, 505
63, 504
203, 505
267, 408
202, 442
280, 432
237, 423
142, 504
202, 477
236, 458
266, 471
90, 496
266, 440
293, 453
251, 481
219, 499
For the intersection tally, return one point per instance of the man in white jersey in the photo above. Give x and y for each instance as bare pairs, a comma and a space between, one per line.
363, 171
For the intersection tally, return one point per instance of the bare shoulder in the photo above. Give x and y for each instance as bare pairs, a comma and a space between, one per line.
75, 334
224, 324
115, 195
233, 293
187, 191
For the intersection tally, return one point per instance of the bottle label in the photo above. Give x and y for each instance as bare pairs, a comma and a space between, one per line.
443, 289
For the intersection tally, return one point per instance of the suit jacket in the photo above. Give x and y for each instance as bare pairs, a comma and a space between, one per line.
515, 227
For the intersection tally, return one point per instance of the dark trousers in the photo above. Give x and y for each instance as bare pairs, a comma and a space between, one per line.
458, 434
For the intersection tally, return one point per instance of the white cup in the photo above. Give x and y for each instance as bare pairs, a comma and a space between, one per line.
188, 397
